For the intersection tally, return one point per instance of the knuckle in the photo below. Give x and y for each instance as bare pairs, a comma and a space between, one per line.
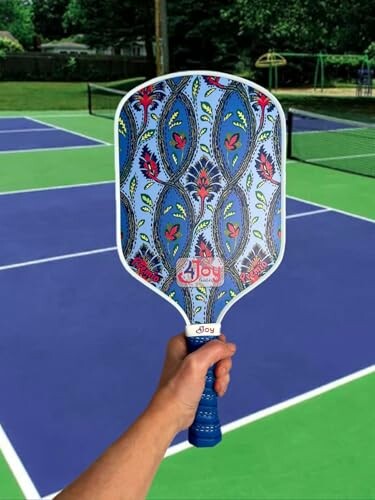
191, 363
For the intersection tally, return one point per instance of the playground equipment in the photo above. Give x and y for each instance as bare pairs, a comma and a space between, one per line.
364, 79
271, 60
362, 75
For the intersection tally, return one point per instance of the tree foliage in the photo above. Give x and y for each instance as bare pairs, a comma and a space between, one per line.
113, 23
48, 18
213, 34
110, 23
16, 17
302, 25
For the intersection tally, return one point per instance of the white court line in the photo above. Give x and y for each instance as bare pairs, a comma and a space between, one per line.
18, 130
67, 130
271, 410
80, 112
13, 151
367, 155
67, 115
349, 157
16, 466
311, 212
342, 212
56, 257
68, 186
236, 424
333, 131
108, 249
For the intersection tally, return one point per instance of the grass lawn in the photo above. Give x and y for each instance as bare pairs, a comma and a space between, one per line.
44, 96
18, 96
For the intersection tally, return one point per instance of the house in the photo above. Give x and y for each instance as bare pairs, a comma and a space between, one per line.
66, 47
135, 49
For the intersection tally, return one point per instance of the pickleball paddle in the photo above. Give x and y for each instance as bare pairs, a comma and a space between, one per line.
200, 187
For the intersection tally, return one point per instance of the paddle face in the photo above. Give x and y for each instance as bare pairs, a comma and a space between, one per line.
200, 187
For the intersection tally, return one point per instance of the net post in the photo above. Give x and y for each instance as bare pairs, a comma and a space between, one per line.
89, 100
289, 125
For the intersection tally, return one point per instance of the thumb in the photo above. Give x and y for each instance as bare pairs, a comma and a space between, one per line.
212, 352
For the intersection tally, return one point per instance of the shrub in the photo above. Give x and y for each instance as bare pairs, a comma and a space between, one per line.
8, 46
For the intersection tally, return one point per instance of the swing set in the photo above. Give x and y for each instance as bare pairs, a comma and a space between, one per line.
273, 60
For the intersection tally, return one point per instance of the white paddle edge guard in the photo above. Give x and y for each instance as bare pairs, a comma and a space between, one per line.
283, 184
203, 330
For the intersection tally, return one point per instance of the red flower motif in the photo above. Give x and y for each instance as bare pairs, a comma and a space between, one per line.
145, 96
203, 181
263, 100
232, 142
233, 230
203, 248
172, 233
203, 184
214, 80
264, 166
148, 98
149, 165
179, 140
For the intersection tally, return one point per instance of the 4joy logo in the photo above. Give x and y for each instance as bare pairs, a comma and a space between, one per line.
198, 271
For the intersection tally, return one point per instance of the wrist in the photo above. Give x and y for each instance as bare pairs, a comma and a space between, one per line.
165, 410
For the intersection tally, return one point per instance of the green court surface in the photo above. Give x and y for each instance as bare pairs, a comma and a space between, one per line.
9, 488
322, 448
340, 190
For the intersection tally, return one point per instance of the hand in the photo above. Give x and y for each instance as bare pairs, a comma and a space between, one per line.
183, 377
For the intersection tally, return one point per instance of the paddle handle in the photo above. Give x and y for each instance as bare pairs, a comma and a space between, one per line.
205, 431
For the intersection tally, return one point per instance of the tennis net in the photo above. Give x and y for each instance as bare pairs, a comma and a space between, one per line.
103, 101
331, 142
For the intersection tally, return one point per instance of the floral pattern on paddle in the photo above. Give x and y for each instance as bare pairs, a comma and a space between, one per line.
201, 183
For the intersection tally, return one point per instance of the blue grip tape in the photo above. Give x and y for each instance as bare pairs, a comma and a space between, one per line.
205, 430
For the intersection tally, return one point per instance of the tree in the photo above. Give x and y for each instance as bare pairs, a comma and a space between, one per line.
112, 23
199, 36
16, 17
48, 18
303, 25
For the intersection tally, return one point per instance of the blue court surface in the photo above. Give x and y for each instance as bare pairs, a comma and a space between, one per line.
85, 342
318, 123
27, 134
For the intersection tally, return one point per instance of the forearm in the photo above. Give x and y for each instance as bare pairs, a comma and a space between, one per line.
125, 471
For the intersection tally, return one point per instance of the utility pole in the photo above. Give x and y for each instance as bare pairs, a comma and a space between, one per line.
161, 37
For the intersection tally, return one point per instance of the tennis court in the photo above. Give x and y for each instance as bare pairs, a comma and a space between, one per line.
76, 328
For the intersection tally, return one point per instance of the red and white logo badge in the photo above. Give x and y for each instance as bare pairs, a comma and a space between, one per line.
200, 271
